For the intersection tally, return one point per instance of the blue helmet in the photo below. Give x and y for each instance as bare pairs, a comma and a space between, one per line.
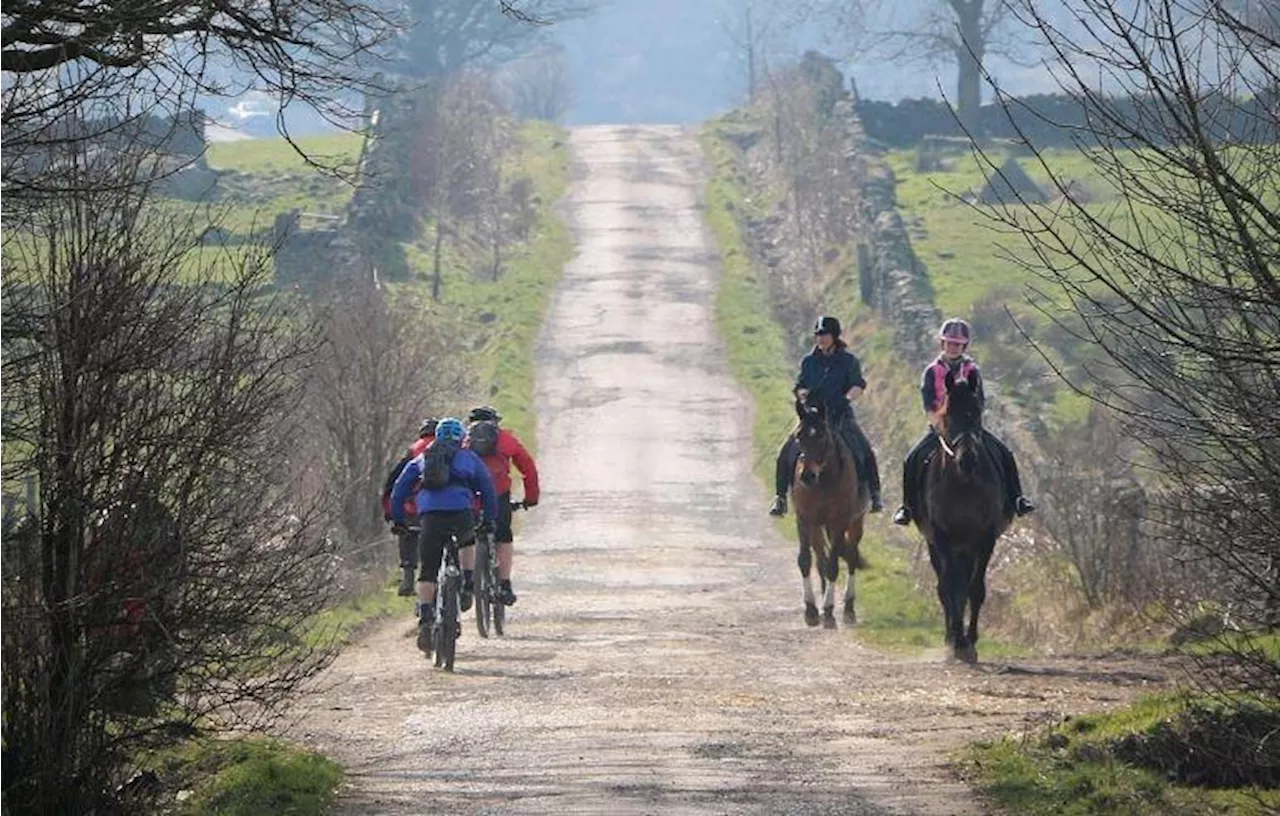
451, 429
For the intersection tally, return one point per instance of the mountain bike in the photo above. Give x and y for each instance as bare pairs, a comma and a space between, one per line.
448, 625
490, 611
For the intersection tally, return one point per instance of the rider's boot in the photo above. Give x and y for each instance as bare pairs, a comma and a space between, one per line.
505, 593
779, 506
406, 582
426, 621
902, 517
1022, 505
468, 589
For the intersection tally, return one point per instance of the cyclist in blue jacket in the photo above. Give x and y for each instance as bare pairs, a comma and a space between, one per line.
445, 507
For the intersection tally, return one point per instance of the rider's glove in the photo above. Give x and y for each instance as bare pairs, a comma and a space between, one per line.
487, 527
399, 529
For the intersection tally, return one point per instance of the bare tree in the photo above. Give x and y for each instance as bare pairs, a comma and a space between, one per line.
163, 580
1177, 284
83, 71
454, 163
447, 36
963, 32
387, 362
1093, 509
538, 86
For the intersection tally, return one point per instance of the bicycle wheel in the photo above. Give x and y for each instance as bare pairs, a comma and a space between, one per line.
499, 608
482, 588
447, 624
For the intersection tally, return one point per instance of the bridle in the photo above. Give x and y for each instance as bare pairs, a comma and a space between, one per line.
814, 416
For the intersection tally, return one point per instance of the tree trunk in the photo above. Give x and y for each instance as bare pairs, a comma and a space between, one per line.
435, 267
969, 57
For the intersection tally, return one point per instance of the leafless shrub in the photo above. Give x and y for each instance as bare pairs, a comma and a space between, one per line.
387, 362
163, 580
1175, 286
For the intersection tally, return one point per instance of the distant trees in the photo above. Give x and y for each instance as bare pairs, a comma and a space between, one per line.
538, 85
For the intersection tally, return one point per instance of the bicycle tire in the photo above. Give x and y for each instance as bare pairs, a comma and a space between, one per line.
482, 587
499, 608
447, 625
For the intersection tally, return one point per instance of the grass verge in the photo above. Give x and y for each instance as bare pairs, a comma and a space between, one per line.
246, 777
1084, 766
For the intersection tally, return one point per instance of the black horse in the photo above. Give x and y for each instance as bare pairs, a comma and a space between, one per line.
961, 514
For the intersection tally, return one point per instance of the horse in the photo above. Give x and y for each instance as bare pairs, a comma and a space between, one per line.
961, 514
830, 505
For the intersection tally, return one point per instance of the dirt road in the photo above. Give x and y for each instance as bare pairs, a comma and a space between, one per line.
657, 661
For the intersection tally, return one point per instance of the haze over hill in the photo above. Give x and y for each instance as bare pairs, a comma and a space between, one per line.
665, 61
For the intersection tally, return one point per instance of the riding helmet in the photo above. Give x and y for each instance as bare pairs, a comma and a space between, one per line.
955, 329
484, 413
451, 429
827, 325
428, 427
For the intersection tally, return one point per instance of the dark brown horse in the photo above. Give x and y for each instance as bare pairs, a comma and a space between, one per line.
830, 504
961, 514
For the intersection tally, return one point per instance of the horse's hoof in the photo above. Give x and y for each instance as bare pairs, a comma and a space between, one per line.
849, 615
811, 614
967, 653
828, 620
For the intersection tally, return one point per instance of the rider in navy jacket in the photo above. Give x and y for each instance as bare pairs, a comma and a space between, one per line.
830, 373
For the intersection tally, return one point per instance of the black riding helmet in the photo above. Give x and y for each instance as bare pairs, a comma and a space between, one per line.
827, 325
428, 427
484, 413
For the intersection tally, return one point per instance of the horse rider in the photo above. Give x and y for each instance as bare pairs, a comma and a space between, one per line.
953, 340
408, 543
832, 374
499, 449
443, 510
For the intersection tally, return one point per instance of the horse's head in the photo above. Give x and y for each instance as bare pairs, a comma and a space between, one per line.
961, 433
817, 443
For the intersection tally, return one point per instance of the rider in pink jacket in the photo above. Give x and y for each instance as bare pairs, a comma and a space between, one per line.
953, 339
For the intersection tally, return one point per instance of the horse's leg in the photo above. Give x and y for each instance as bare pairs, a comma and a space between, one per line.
961, 573
946, 566
978, 591
853, 561
804, 560
831, 574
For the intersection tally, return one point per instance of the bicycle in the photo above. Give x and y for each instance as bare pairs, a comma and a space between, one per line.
448, 626
489, 606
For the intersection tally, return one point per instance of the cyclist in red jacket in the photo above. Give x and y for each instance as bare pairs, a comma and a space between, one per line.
499, 448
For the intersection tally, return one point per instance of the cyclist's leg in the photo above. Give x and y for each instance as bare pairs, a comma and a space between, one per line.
435, 529
503, 538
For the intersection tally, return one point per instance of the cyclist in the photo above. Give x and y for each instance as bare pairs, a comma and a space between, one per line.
499, 448
447, 477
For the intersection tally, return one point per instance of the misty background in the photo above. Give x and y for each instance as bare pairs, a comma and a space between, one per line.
678, 61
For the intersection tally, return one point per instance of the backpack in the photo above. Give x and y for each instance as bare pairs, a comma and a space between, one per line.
484, 438
437, 463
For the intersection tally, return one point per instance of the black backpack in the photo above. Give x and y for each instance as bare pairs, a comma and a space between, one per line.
437, 462
484, 438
